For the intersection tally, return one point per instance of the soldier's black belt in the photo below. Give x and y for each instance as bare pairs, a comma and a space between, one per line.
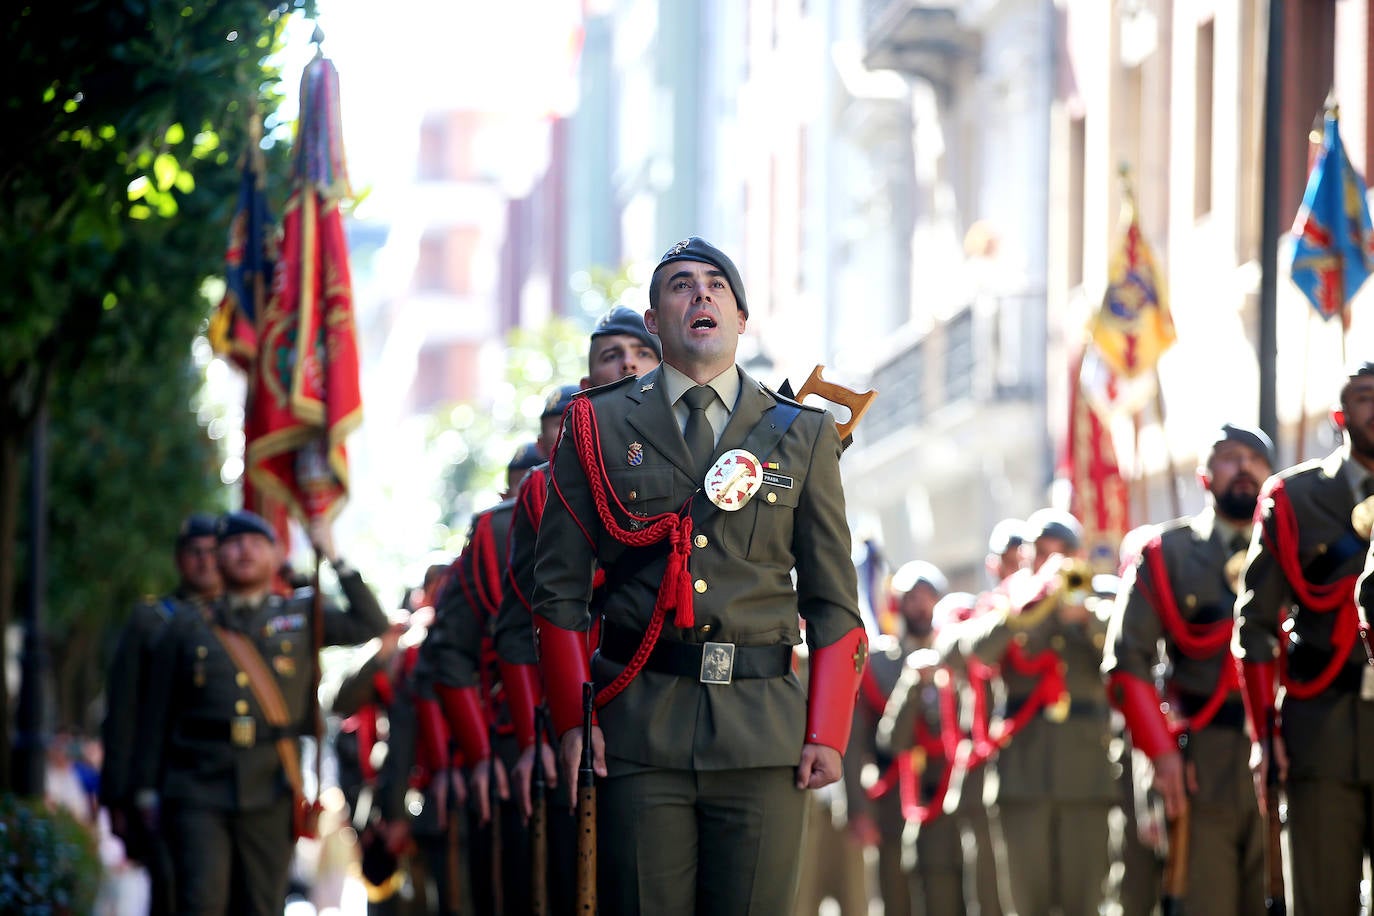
233, 732
1230, 714
710, 662
1078, 709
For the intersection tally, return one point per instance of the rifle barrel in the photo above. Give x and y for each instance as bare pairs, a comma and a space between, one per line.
539, 836
586, 812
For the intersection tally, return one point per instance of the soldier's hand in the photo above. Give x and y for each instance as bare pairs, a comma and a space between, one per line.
524, 775
480, 780
571, 747
1259, 766
1169, 782
820, 766
321, 531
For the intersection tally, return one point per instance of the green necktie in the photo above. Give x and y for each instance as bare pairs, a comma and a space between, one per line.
701, 439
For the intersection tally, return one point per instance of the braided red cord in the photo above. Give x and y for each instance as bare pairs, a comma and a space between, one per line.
675, 592
1281, 535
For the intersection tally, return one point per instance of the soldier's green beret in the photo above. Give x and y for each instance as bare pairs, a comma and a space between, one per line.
624, 320
525, 457
557, 400
696, 249
196, 525
243, 522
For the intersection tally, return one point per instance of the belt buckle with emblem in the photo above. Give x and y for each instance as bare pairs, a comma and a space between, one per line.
1058, 711
733, 479
717, 662
243, 731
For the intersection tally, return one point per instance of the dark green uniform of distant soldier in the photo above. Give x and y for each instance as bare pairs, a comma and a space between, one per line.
210, 772
1053, 784
126, 690
1200, 560
705, 752
1301, 572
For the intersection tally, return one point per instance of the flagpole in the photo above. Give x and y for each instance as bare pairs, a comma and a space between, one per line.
1300, 447
1174, 500
1139, 483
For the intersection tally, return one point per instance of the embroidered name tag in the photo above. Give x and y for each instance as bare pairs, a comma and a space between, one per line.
777, 480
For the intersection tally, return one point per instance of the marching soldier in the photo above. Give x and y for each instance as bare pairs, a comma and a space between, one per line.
459, 665
914, 590
1180, 597
231, 691
619, 347
126, 688
1298, 624
699, 492
1051, 781
919, 731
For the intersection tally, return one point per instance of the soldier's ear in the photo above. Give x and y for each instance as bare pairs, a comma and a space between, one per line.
651, 321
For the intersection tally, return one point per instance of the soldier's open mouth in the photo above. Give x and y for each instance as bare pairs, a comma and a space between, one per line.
705, 321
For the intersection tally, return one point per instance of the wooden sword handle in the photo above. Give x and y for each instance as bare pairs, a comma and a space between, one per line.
858, 402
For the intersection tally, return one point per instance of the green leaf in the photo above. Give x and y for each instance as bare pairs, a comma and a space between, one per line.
165, 169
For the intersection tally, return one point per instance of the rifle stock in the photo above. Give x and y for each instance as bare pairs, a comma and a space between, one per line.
1175, 880
1275, 902
498, 896
586, 812
539, 824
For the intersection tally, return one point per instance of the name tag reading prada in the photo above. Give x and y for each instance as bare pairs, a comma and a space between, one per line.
733, 479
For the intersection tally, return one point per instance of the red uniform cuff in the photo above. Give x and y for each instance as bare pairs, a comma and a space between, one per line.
835, 673
1139, 703
523, 693
1259, 683
563, 662
431, 739
466, 720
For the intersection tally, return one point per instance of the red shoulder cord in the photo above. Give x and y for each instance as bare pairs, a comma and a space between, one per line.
1196, 640
1281, 536
675, 592
1049, 687
979, 677
482, 561
941, 748
530, 500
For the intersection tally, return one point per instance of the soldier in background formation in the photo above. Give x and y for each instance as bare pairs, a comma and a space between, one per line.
1299, 625
126, 690
230, 690
1179, 597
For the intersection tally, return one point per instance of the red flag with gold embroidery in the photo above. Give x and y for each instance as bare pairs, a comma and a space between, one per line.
304, 398
1101, 497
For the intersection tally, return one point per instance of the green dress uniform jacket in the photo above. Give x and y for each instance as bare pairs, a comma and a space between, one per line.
741, 568
513, 634
197, 690
1330, 737
1226, 852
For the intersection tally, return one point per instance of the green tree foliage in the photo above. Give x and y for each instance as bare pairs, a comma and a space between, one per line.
118, 170
478, 441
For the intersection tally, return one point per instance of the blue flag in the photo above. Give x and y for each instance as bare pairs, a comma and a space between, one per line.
1333, 240
249, 263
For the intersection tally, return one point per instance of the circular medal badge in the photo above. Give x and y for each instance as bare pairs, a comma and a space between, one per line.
733, 479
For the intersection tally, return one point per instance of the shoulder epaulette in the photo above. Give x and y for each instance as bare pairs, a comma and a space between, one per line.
1302, 468
602, 389
786, 400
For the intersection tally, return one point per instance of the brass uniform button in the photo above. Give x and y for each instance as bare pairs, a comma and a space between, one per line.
241, 679
241, 707
1057, 643
1190, 600
286, 645
772, 497
201, 651
700, 586
700, 540
705, 628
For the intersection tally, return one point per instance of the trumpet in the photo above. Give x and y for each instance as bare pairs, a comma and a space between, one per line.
1071, 583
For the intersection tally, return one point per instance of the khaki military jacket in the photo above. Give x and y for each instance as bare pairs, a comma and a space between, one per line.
126, 685
1196, 555
514, 630
1330, 736
1049, 760
741, 567
197, 691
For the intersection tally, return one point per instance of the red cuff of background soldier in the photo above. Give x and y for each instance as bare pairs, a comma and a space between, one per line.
1259, 684
431, 740
563, 662
465, 719
523, 693
835, 673
1139, 703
